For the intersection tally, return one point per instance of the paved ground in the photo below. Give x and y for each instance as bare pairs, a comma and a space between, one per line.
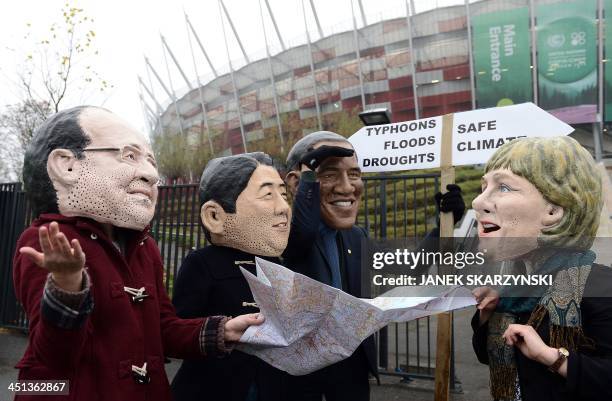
473, 376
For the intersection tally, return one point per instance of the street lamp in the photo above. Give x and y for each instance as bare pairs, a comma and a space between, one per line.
375, 116
378, 117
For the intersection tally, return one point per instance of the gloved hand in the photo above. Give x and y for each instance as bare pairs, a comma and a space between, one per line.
452, 201
313, 158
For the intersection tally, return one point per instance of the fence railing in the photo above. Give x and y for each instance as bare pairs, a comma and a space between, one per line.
392, 207
14, 214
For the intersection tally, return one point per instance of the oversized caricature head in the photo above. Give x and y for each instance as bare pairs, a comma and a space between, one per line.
88, 162
244, 204
544, 189
339, 179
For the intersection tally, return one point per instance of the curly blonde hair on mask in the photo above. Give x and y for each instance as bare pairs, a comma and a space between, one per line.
565, 174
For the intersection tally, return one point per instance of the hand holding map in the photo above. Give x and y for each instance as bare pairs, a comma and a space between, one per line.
310, 325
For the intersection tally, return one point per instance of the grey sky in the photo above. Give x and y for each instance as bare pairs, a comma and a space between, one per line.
128, 29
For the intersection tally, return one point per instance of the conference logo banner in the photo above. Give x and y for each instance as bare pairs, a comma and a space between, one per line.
502, 58
465, 138
608, 64
567, 60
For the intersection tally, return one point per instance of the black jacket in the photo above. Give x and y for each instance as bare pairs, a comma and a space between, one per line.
589, 372
305, 252
210, 283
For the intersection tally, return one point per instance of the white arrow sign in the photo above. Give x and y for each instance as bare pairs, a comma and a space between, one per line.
476, 135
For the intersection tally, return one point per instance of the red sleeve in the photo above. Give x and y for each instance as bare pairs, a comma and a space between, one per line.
56, 348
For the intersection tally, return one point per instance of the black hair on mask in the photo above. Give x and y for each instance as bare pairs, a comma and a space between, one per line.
60, 131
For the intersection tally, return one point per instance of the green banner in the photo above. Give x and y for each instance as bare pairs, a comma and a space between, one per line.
608, 63
567, 60
502, 58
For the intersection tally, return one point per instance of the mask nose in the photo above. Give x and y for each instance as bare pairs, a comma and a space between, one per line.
482, 204
148, 173
344, 186
281, 207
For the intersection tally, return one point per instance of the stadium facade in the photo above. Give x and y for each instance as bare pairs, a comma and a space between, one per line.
550, 52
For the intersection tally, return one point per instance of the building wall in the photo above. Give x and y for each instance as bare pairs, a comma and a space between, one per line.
440, 42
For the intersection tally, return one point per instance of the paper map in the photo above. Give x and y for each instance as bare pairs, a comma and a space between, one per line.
310, 325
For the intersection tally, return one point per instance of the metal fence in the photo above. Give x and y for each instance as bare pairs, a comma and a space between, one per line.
393, 207
14, 214
397, 207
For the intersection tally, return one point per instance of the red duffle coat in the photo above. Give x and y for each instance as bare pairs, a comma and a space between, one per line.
97, 358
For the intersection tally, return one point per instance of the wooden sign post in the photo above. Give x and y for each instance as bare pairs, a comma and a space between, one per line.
444, 330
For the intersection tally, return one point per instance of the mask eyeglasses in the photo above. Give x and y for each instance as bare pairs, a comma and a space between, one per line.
128, 153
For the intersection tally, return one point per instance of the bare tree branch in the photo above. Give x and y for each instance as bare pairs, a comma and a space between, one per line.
52, 76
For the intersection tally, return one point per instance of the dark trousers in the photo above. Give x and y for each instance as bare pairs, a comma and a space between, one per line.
346, 380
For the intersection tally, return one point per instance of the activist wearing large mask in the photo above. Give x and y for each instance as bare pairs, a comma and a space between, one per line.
544, 196
245, 214
88, 272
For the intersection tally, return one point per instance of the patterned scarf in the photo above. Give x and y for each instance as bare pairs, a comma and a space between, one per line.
560, 302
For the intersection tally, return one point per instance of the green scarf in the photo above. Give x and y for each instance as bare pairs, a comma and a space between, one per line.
560, 302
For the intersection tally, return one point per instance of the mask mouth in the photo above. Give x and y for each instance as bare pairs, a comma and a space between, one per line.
141, 192
489, 227
282, 224
141, 198
343, 203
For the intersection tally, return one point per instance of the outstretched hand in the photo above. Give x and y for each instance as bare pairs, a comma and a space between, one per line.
64, 259
235, 328
314, 158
